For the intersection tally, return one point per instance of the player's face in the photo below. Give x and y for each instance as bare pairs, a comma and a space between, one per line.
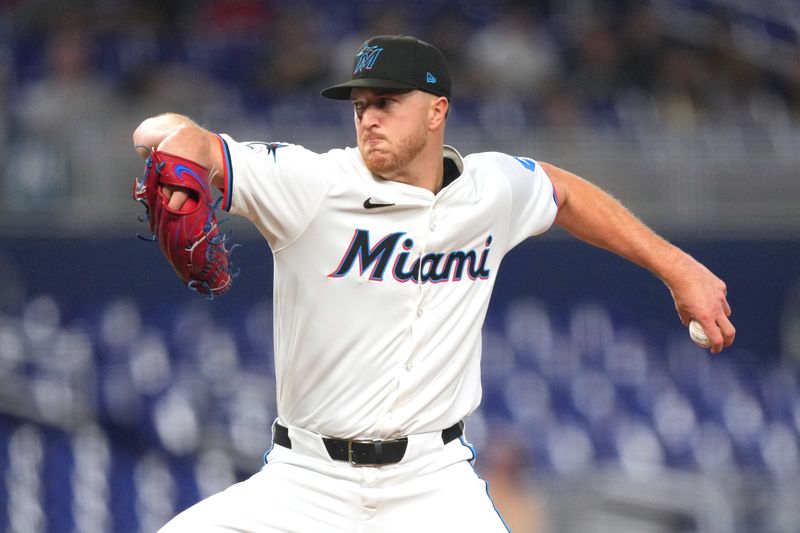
391, 128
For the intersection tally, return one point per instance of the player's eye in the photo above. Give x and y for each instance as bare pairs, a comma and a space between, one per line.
381, 103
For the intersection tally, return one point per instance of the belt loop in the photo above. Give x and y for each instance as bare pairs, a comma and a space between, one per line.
281, 435
453, 432
378, 452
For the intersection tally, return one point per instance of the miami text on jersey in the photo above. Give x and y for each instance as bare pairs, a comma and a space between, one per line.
435, 267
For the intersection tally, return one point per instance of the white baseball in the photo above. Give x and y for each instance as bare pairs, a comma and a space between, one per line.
698, 334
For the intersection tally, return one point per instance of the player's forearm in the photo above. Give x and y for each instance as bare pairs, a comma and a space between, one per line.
592, 215
152, 132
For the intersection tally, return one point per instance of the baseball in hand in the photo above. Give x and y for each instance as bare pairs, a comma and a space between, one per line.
698, 334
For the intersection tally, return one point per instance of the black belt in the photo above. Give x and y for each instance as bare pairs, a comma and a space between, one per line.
366, 452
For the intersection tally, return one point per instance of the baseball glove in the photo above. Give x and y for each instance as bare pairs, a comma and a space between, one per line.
189, 237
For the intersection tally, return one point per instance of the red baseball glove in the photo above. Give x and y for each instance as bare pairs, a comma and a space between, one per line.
189, 236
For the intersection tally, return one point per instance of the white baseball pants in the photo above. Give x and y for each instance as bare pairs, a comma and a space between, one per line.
302, 490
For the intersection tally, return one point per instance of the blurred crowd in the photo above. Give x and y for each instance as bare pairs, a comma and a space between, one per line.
76, 75
548, 63
117, 419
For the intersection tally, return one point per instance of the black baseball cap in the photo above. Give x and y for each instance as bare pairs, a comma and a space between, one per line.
398, 62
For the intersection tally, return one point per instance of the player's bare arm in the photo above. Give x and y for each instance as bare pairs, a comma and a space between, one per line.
592, 215
152, 131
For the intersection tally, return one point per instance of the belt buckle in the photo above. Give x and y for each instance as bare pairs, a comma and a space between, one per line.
350, 452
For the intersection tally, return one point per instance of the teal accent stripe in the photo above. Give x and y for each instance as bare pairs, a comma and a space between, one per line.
471, 448
267, 453
495, 507
471, 461
229, 174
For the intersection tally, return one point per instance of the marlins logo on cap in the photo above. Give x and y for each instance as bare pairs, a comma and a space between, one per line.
396, 62
367, 57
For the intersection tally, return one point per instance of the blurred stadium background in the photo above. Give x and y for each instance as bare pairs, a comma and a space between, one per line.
124, 397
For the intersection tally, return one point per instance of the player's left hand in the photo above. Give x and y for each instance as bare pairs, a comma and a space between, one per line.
701, 295
181, 213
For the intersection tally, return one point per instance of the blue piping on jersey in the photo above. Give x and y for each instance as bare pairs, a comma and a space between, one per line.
471, 449
266, 453
472, 463
495, 507
228, 174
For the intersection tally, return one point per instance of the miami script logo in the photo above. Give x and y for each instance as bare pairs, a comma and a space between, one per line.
434, 267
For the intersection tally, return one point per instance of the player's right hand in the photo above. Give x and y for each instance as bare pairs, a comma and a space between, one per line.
701, 295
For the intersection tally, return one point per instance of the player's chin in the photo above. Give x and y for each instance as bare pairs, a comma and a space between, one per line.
379, 162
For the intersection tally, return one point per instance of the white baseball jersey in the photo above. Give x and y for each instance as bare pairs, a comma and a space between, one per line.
381, 288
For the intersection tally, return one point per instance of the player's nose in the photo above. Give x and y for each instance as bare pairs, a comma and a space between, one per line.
369, 117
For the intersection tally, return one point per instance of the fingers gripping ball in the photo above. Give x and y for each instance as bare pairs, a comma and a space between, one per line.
189, 236
698, 334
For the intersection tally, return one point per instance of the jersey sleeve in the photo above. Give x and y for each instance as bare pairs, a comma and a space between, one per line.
277, 186
534, 203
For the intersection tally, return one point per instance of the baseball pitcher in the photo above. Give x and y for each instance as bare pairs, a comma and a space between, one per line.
385, 257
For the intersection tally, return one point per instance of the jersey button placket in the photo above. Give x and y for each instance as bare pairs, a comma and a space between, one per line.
416, 325
432, 228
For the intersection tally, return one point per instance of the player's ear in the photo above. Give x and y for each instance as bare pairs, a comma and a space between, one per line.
440, 108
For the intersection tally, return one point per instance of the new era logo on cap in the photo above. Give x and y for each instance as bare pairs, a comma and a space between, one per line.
396, 62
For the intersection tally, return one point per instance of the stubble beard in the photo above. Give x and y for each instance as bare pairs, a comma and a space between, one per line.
390, 162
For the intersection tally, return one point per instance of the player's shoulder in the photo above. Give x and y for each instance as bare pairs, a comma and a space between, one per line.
349, 154
498, 159
277, 149
284, 152
349, 162
294, 149
492, 163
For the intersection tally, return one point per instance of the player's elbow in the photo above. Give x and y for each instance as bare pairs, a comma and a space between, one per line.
560, 180
152, 131
192, 142
179, 136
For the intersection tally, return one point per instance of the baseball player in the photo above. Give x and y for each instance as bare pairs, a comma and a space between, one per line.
385, 257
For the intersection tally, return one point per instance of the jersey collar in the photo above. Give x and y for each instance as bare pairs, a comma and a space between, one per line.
453, 165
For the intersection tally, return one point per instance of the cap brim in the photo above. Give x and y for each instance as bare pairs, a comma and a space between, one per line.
342, 91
